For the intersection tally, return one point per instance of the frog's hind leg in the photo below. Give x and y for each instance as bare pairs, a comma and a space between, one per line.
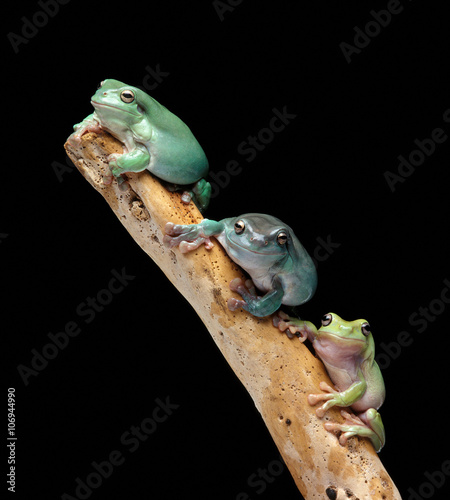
200, 194
369, 425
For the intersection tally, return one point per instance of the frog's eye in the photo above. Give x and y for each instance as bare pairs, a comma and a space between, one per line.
365, 328
127, 96
101, 84
327, 319
282, 238
239, 227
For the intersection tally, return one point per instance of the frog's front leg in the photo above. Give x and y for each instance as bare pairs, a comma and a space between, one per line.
294, 327
368, 424
336, 398
190, 236
254, 304
89, 124
136, 160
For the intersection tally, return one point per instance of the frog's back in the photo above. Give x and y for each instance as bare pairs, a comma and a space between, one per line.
175, 154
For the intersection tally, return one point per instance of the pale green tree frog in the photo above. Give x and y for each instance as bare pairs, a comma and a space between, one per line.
266, 248
153, 139
347, 350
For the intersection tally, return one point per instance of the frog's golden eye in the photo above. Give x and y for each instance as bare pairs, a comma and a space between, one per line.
365, 328
101, 84
282, 238
127, 96
239, 227
327, 319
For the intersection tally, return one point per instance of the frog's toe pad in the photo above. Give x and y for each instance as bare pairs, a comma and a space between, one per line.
82, 130
208, 243
234, 304
186, 197
250, 287
345, 430
245, 288
351, 419
278, 320
189, 246
123, 184
113, 157
169, 229
107, 180
289, 328
326, 387
313, 399
236, 284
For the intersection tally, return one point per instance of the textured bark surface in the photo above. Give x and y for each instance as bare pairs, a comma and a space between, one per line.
277, 372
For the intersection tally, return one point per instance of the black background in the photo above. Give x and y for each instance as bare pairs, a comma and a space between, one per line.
323, 175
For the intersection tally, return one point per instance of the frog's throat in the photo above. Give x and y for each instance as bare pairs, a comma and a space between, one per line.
100, 105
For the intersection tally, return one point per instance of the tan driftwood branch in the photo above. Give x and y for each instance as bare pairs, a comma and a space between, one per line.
277, 372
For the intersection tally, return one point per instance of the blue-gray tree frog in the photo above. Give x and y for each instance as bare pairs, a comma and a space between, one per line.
266, 248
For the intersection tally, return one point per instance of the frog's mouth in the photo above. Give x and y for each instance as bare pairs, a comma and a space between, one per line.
329, 336
122, 110
246, 249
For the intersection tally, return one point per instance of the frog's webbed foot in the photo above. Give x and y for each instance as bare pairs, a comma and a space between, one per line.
329, 397
290, 326
246, 290
116, 173
369, 425
254, 304
91, 127
135, 160
89, 124
112, 160
187, 237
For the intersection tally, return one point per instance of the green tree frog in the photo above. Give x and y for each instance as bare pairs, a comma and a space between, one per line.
153, 139
347, 350
266, 248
